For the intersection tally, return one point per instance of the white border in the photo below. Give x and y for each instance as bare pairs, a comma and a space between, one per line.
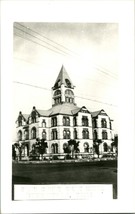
119, 11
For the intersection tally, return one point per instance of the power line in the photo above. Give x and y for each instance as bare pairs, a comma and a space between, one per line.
47, 38
97, 101
112, 74
42, 41
98, 82
99, 68
39, 44
39, 87
34, 86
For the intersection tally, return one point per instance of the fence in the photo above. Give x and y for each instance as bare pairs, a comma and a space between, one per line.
65, 156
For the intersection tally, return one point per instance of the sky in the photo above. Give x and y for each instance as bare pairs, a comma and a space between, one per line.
89, 53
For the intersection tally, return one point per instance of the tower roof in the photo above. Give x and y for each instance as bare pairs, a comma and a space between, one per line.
63, 78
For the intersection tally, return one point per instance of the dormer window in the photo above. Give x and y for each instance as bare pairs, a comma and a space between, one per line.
20, 117
103, 123
19, 122
33, 115
57, 84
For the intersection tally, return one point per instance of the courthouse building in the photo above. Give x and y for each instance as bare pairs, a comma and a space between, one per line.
64, 121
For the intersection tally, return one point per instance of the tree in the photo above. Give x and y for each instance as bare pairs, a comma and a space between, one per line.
39, 148
96, 146
42, 147
18, 147
73, 147
115, 143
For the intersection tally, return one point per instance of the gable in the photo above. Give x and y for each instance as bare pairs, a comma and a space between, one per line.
102, 112
84, 110
96, 113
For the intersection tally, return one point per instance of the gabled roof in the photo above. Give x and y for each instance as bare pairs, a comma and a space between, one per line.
96, 113
63, 78
23, 116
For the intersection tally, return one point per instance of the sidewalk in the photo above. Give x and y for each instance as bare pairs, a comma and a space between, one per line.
64, 161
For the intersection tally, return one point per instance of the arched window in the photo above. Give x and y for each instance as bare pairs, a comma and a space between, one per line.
26, 135
85, 134
85, 121
57, 96
104, 135
57, 92
95, 135
105, 147
103, 123
43, 123
54, 148
69, 92
19, 135
75, 134
69, 96
66, 121
54, 134
66, 134
54, 121
33, 133
86, 147
44, 135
